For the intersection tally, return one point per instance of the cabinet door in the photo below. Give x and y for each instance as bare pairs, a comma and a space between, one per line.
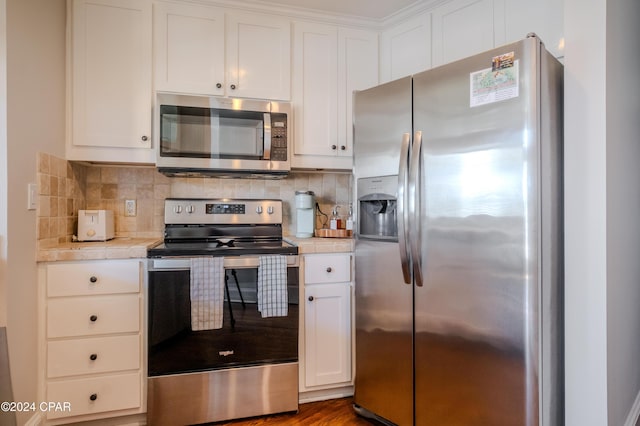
93, 315
327, 334
111, 78
95, 394
463, 28
189, 49
358, 69
405, 49
315, 92
93, 277
258, 56
327, 268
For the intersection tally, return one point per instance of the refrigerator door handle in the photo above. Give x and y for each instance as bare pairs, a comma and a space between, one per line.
403, 213
414, 207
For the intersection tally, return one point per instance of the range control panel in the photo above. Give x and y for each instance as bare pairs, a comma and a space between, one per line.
199, 211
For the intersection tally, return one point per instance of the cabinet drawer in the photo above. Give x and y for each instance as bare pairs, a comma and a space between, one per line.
327, 268
94, 355
86, 278
86, 316
95, 395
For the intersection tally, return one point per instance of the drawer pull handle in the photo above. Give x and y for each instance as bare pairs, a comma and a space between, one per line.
93, 279
93, 396
310, 298
93, 357
329, 269
93, 318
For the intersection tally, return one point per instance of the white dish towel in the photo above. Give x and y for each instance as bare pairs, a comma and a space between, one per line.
207, 293
273, 299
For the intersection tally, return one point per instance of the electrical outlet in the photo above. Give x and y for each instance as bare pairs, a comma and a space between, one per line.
129, 207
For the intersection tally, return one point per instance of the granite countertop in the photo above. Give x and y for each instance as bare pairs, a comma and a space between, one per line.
127, 247
117, 248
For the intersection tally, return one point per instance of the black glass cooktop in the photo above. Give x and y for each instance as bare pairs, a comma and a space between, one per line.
221, 247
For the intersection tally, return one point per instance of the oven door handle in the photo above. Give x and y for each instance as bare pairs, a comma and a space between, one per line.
230, 262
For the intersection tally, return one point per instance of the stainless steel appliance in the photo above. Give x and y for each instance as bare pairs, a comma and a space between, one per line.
209, 135
249, 366
459, 319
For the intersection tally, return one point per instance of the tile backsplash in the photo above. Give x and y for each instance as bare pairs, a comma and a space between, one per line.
65, 187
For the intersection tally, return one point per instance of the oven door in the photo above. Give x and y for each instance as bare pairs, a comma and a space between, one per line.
245, 339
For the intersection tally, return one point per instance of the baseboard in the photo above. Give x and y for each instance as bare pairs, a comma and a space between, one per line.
634, 414
35, 420
324, 394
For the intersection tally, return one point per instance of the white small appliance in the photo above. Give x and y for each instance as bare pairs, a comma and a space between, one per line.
305, 217
95, 225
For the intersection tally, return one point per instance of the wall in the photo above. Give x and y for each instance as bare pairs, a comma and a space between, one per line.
623, 207
3, 163
602, 205
65, 187
585, 213
35, 61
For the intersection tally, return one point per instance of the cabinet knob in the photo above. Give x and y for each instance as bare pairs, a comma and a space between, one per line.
144, 138
218, 85
93, 279
233, 87
93, 318
329, 269
334, 147
93, 396
310, 298
93, 357
343, 148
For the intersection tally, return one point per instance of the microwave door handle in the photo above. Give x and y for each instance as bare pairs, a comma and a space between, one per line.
267, 136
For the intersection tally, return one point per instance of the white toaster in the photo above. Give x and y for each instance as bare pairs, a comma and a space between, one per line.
95, 225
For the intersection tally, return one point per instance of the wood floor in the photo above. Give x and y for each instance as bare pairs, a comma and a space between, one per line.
334, 412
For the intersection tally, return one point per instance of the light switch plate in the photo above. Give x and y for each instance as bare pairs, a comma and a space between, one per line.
32, 196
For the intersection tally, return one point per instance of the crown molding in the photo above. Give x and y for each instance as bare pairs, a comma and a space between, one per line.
295, 12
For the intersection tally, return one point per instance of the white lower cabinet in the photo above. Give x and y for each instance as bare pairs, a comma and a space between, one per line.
91, 345
327, 330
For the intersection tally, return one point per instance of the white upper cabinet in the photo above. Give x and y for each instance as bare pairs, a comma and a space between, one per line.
110, 81
205, 50
463, 28
405, 48
358, 70
189, 48
315, 88
328, 64
258, 56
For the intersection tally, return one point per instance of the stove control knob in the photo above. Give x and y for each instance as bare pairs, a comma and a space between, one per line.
270, 210
177, 209
259, 209
190, 208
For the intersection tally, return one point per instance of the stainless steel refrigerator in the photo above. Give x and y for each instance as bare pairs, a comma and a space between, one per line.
459, 250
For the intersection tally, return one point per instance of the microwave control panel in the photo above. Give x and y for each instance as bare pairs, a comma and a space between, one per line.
278, 137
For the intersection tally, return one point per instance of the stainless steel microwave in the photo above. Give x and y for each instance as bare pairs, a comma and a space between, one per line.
206, 135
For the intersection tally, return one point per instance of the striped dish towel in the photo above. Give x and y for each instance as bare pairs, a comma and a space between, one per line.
273, 300
207, 293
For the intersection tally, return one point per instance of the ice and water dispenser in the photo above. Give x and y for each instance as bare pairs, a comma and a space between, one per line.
377, 207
